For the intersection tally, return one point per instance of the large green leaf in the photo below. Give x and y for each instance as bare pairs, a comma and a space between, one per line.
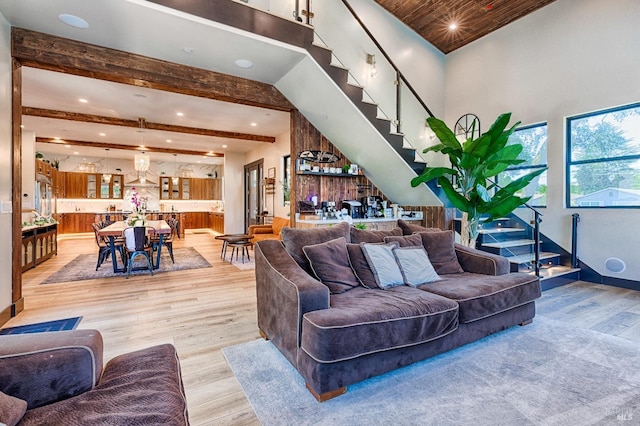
477, 147
430, 173
453, 195
499, 125
444, 134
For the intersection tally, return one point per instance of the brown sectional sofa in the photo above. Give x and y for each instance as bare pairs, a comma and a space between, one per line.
339, 335
58, 378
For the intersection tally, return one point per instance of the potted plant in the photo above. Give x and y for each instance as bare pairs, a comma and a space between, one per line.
473, 165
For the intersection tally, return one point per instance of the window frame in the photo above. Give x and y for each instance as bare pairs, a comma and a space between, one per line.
532, 167
569, 155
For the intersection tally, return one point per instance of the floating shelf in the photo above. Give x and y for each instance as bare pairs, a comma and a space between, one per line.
328, 174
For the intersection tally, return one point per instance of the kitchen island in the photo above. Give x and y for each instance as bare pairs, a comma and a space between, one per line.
39, 243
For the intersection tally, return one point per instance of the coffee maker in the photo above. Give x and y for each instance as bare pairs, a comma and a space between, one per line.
372, 206
353, 207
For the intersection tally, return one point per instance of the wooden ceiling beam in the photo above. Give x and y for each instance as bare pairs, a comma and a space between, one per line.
127, 147
53, 53
113, 121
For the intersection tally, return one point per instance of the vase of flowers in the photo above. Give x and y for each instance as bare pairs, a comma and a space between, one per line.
138, 207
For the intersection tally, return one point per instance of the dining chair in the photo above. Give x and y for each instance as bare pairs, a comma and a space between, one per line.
167, 240
104, 250
137, 244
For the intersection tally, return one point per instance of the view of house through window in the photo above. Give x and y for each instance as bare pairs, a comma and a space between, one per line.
534, 143
603, 158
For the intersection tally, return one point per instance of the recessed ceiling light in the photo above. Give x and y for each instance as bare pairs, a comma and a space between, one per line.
169, 141
76, 153
224, 146
453, 26
244, 63
180, 114
103, 134
83, 101
56, 138
187, 49
254, 124
22, 126
74, 21
139, 95
67, 146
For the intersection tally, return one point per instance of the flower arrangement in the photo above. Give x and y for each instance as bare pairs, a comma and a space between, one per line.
138, 205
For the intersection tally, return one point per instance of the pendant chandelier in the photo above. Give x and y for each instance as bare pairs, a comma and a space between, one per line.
106, 177
141, 161
175, 179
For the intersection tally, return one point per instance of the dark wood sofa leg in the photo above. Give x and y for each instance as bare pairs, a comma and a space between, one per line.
527, 322
327, 395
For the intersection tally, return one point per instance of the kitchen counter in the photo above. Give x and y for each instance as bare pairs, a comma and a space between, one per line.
376, 224
39, 243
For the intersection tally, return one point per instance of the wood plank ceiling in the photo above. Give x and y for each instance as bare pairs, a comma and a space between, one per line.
473, 18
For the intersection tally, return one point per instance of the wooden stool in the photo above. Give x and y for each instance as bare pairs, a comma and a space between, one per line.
235, 248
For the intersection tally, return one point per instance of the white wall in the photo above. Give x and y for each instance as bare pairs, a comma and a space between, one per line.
28, 171
272, 155
559, 61
6, 157
233, 193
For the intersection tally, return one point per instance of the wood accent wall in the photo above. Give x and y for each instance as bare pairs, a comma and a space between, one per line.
304, 136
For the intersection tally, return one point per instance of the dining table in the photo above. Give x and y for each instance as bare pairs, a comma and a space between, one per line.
116, 229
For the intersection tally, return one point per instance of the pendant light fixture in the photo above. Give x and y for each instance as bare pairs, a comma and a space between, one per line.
175, 179
141, 161
106, 177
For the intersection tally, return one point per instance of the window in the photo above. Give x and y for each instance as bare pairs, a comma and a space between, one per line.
286, 180
603, 161
534, 151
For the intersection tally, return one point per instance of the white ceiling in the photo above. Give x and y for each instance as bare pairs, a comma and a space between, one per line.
144, 28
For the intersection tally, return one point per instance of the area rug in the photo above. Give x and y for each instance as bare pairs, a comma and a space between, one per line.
84, 265
41, 327
543, 374
247, 265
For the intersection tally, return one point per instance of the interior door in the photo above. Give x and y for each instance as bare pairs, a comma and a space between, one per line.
253, 200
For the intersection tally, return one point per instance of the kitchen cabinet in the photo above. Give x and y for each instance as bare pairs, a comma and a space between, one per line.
195, 220
73, 223
203, 189
44, 168
170, 190
58, 181
216, 222
75, 185
111, 189
185, 187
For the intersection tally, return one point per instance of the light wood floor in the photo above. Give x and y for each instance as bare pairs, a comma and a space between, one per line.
204, 310
200, 311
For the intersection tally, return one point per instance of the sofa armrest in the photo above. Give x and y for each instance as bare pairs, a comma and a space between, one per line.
260, 229
285, 292
42, 368
481, 262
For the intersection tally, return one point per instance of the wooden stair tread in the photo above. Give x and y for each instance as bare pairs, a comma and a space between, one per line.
556, 271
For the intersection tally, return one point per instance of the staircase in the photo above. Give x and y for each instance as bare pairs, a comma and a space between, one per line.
511, 237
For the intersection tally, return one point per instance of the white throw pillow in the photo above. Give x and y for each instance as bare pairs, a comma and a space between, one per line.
415, 266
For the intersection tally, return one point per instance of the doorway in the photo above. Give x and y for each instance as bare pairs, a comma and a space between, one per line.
253, 174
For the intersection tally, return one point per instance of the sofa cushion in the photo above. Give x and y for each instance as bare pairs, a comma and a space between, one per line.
409, 228
414, 240
364, 321
383, 264
440, 247
367, 236
138, 388
480, 296
415, 266
330, 264
360, 266
11, 409
296, 238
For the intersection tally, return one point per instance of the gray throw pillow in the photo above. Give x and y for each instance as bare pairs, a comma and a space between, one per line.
383, 264
415, 266
366, 236
409, 228
330, 264
296, 238
440, 247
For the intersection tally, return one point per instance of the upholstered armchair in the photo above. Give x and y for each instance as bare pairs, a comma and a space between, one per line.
268, 232
58, 378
